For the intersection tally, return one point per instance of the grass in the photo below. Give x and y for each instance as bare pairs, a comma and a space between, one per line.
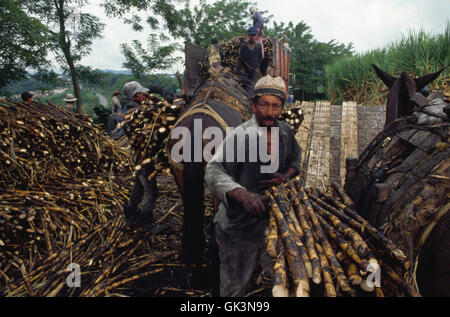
418, 53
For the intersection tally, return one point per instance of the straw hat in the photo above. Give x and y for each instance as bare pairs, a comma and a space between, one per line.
70, 98
116, 92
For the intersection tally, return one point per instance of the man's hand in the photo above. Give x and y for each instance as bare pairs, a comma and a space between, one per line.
276, 180
252, 203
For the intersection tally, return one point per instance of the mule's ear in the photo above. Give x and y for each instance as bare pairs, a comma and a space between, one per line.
425, 80
387, 79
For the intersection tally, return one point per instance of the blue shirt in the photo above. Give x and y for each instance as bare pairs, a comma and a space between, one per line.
258, 21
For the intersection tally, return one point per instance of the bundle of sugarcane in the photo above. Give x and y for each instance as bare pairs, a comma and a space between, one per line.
148, 128
230, 50
321, 238
40, 141
293, 115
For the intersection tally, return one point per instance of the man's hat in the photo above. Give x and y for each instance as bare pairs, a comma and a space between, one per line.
252, 31
132, 88
253, 10
70, 98
116, 92
26, 95
269, 85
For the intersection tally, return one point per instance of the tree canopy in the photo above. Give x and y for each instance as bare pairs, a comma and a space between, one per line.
72, 33
222, 19
309, 57
143, 61
23, 42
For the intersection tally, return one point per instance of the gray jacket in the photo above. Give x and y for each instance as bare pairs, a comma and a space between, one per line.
222, 175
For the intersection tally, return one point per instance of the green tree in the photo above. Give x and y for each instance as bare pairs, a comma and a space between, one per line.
222, 19
73, 32
143, 61
23, 43
161, 16
158, 14
308, 57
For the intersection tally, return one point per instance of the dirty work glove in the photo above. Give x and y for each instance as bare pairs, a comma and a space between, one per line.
276, 180
253, 204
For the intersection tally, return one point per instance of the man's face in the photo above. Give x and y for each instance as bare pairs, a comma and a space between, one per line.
139, 97
267, 110
252, 39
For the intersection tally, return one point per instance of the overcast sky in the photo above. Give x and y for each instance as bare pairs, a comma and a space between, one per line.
368, 24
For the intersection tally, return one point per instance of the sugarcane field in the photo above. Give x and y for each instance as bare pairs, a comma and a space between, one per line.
236, 155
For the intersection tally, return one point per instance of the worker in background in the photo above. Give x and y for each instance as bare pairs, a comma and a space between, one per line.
214, 55
250, 58
258, 23
70, 101
134, 94
27, 97
144, 190
115, 102
115, 117
243, 212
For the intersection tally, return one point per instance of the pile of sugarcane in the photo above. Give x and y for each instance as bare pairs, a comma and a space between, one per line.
63, 185
293, 115
40, 141
148, 128
113, 259
230, 50
319, 237
64, 238
39, 222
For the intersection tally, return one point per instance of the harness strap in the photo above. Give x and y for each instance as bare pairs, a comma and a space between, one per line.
201, 108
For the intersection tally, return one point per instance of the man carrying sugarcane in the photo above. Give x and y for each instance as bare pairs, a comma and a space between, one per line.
145, 189
134, 94
239, 183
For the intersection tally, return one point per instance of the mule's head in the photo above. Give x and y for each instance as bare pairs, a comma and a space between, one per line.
401, 90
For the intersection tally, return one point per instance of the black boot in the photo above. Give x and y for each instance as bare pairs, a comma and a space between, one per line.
131, 214
146, 222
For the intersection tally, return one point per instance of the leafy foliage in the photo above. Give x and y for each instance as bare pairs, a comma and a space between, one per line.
23, 43
308, 58
72, 33
419, 53
222, 19
132, 11
143, 61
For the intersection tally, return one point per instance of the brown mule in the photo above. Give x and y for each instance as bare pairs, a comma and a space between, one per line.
401, 90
